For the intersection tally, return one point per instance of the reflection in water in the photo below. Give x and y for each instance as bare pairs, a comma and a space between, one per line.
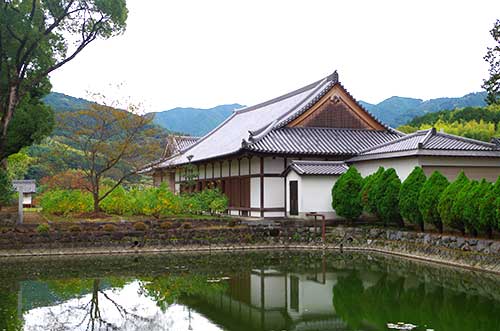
264, 291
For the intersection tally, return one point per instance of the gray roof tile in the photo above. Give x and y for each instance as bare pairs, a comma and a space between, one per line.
320, 141
317, 167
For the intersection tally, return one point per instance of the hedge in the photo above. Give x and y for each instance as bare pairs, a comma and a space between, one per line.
408, 195
346, 200
450, 216
428, 199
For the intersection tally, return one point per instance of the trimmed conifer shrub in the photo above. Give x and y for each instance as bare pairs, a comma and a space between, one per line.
408, 195
460, 201
472, 208
388, 202
346, 200
449, 216
367, 193
428, 199
488, 208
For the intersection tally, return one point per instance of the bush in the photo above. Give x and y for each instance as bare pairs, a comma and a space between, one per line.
212, 201
165, 225
118, 202
346, 200
64, 202
410, 188
140, 226
472, 211
367, 193
156, 201
43, 228
488, 207
460, 201
450, 216
109, 227
428, 199
387, 194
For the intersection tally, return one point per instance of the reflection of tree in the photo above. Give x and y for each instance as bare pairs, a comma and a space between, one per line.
391, 300
165, 290
89, 312
9, 305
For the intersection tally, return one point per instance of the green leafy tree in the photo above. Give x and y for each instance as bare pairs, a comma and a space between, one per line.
472, 210
346, 200
38, 37
492, 84
428, 199
18, 164
460, 201
488, 207
410, 189
387, 195
368, 199
6, 190
449, 216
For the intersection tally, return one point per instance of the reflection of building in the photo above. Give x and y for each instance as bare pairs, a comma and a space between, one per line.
268, 299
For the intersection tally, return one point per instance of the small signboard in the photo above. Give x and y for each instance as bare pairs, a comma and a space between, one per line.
23, 187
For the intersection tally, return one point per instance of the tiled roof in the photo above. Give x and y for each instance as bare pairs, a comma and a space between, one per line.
247, 126
176, 144
324, 141
317, 167
430, 142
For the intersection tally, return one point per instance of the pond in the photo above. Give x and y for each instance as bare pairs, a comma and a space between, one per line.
244, 291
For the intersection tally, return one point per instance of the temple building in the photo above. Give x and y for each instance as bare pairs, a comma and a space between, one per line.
280, 158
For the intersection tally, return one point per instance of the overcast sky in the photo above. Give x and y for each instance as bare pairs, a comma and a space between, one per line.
205, 53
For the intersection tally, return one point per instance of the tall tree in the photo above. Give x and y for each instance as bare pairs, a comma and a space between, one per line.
492, 84
113, 143
38, 37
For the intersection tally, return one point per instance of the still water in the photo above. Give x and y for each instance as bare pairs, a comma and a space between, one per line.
245, 291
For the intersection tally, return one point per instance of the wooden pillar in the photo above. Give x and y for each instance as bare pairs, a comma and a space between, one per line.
230, 185
239, 183
284, 184
261, 186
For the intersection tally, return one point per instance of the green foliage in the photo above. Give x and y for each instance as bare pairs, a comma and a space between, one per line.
211, 200
65, 202
42, 228
429, 198
488, 207
6, 190
346, 200
18, 164
450, 216
492, 84
368, 191
459, 203
408, 195
472, 210
387, 189
118, 202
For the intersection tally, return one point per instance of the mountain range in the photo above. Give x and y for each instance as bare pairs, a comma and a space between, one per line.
394, 111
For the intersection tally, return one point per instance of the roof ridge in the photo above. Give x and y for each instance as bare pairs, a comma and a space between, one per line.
401, 138
317, 161
280, 98
430, 132
466, 139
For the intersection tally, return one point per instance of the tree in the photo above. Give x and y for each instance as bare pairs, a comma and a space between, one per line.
38, 37
112, 143
6, 190
368, 199
346, 200
492, 84
410, 188
428, 199
449, 216
388, 205
488, 217
18, 164
472, 210
459, 203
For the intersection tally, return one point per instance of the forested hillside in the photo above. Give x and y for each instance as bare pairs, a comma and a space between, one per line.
473, 122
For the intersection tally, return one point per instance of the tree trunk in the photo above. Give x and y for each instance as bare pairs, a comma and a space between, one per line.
421, 224
6, 116
439, 226
96, 202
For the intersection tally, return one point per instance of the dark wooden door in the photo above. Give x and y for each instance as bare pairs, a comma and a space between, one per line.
294, 197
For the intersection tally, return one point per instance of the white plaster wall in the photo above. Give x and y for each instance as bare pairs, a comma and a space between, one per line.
244, 165
292, 175
217, 170
209, 170
274, 165
274, 192
177, 188
27, 199
255, 214
234, 167
317, 193
403, 166
255, 193
177, 175
274, 214
274, 291
255, 165
225, 169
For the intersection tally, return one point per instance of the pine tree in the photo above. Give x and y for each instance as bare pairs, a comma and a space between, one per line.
346, 200
388, 203
367, 193
408, 195
428, 199
445, 205
472, 208
488, 215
